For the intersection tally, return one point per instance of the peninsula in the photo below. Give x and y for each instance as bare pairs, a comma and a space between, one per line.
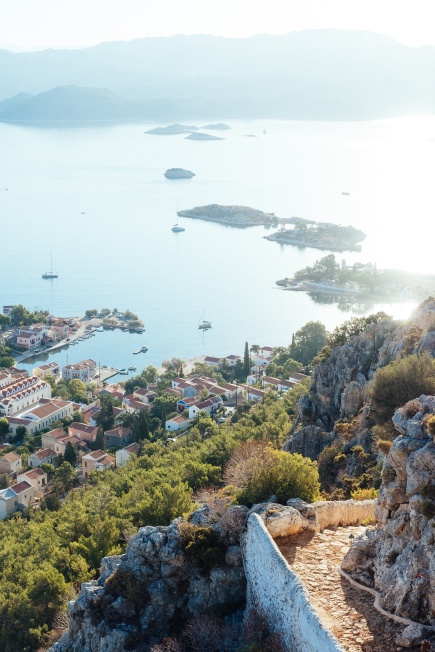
319, 235
360, 280
240, 216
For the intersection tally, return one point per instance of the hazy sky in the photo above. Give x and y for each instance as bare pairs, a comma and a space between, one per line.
79, 23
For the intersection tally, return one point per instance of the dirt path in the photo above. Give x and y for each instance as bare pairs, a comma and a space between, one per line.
345, 610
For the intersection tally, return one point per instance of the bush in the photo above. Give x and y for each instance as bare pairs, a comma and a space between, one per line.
364, 494
260, 471
428, 509
205, 548
399, 382
384, 446
430, 425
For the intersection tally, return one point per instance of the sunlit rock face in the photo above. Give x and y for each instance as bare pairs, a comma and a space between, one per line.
142, 595
398, 558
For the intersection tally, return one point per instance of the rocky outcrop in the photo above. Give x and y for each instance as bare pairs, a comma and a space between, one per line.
309, 441
142, 596
179, 173
339, 383
398, 558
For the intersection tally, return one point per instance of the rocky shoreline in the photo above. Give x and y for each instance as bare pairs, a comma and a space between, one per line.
240, 216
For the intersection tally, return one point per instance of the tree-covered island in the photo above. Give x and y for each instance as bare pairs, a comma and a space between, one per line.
363, 280
318, 235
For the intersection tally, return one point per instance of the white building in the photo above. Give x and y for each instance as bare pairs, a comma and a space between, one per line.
41, 416
176, 423
124, 454
30, 337
19, 394
84, 371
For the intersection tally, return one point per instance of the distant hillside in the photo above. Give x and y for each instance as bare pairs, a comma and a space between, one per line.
313, 74
74, 104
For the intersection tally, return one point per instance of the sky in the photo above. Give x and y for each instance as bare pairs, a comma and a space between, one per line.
38, 24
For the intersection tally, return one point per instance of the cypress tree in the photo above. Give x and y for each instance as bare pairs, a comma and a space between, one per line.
246, 360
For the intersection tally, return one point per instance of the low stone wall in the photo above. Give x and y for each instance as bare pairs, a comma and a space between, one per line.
332, 513
276, 590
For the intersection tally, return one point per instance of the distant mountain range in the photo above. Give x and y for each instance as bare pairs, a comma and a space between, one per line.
313, 74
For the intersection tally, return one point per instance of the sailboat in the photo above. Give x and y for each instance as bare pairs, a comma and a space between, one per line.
50, 274
176, 228
204, 325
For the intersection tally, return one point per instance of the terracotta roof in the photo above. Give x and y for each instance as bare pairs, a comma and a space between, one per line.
20, 487
266, 348
95, 455
233, 357
209, 358
119, 432
57, 433
191, 400
47, 408
178, 419
132, 448
34, 473
82, 427
11, 457
44, 453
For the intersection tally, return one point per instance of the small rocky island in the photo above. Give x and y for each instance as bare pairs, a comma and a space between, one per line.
220, 126
179, 173
172, 130
240, 216
197, 135
319, 235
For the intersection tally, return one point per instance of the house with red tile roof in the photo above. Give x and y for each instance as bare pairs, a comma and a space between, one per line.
210, 405
25, 493
83, 431
177, 423
43, 456
118, 437
36, 477
96, 461
125, 454
10, 463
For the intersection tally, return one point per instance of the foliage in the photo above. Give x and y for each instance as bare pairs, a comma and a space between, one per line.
205, 548
70, 535
364, 494
400, 381
6, 361
93, 312
308, 341
260, 471
246, 360
20, 316
4, 426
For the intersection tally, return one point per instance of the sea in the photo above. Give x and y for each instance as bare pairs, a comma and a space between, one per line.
95, 199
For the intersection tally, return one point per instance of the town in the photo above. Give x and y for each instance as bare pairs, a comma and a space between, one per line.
56, 421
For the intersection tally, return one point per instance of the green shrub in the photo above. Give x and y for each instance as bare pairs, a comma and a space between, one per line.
427, 508
399, 382
364, 494
384, 446
205, 548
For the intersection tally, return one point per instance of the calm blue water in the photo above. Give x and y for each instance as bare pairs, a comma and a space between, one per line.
121, 252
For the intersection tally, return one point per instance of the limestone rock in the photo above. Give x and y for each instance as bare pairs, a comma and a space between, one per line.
143, 594
400, 556
280, 521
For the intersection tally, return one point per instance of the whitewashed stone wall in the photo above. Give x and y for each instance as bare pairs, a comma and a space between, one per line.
278, 592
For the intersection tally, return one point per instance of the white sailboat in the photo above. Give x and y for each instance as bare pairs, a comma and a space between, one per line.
204, 324
176, 228
50, 274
